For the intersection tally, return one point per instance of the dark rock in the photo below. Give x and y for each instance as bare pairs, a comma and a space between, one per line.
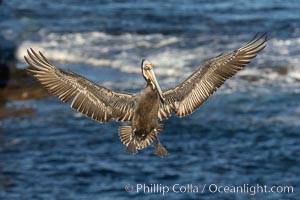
15, 84
9, 112
7, 61
282, 70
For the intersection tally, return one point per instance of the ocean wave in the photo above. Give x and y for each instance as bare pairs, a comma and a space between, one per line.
173, 56
283, 52
98, 49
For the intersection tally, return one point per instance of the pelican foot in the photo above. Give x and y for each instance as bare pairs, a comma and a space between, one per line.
131, 148
160, 150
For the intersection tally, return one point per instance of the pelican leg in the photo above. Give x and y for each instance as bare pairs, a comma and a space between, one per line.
159, 149
131, 148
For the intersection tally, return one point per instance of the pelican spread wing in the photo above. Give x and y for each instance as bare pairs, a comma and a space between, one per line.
186, 97
95, 101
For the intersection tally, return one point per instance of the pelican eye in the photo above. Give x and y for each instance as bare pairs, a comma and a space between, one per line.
148, 67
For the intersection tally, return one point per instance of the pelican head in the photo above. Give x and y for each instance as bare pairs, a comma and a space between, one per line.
148, 73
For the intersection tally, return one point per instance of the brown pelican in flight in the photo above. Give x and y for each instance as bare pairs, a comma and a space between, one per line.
151, 104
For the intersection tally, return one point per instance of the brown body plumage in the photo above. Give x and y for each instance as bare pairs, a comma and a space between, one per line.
145, 108
150, 106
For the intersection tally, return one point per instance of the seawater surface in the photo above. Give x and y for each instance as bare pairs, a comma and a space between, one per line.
246, 133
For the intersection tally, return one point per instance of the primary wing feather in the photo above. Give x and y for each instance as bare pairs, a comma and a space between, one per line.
95, 101
186, 97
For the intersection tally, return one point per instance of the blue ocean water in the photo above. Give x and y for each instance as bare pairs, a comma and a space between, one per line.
247, 134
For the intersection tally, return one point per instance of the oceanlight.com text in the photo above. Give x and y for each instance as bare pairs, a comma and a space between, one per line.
252, 190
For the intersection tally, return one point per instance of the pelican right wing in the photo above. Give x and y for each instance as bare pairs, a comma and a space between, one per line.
96, 102
186, 97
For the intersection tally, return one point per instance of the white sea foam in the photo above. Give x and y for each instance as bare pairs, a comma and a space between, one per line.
99, 49
172, 56
123, 52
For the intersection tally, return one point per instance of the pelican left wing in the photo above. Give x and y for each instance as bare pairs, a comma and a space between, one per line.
96, 102
186, 97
